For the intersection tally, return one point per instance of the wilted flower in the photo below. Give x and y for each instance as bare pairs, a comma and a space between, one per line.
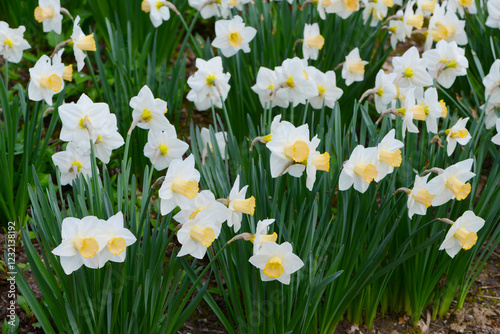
457, 134
232, 36
462, 234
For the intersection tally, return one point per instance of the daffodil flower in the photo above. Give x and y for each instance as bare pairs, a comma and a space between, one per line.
313, 41
411, 69
328, 92
117, 237
211, 8
457, 134
445, 25
232, 36
496, 138
376, 10
12, 43
81, 243
384, 92
360, 170
427, 6
75, 160
389, 155
491, 83
419, 198
451, 182
446, 62
238, 205
180, 184
157, 10
163, 147
45, 80
493, 19
204, 202
343, 8
412, 18
295, 84
196, 235
149, 113
316, 161
461, 5
462, 234
68, 70
276, 262
81, 43
399, 30
275, 125
354, 67
48, 13
261, 235
265, 84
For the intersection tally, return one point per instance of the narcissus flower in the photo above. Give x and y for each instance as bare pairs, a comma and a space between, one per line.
354, 67
163, 147
261, 235
206, 141
204, 202
461, 5
12, 43
376, 10
399, 30
316, 161
157, 10
180, 184
276, 262
232, 36
72, 162
385, 90
107, 139
68, 70
389, 155
446, 62
411, 69
295, 85
81, 243
496, 138
265, 84
238, 205
419, 198
149, 113
493, 20
45, 80
210, 9
209, 84
450, 183
412, 18
462, 234
196, 235
48, 13
343, 8
445, 25
328, 92
117, 239
313, 41
360, 170
491, 84
81, 43
457, 134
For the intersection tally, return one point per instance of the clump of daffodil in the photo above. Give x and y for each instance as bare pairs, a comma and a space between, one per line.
462, 233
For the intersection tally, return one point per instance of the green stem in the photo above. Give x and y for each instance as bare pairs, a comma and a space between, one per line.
188, 32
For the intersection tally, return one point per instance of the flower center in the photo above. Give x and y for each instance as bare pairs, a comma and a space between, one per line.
86, 43
298, 151
163, 149
366, 171
117, 245
316, 42
41, 14
321, 161
244, 205
76, 164
428, 6
357, 67
204, 236
467, 238
408, 73
87, 247
459, 189
146, 115
235, 39
8, 42
392, 158
289, 82
211, 79
185, 187
457, 134
159, 4
418, 112
451, 64
268, 138
52, 82
193, 215
321, 90
423, 197
465, 3
274, 268
380, 92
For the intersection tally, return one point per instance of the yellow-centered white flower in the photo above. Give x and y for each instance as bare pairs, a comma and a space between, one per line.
49, 14
204, 202
385, 90
81, 43
411, 70
388, 155
445, 25
265, 84
446, 62
360, 170
419, 199
157, 10
316, 161
313, 41
458, 133
117, 237
211, 9
328, 93
75, 160
294, 82
12, 43
232, 36
68, 70
163, 147
354, 67
261, 235
343, 8
45, 80
238, 205
149, 111
197, 234
462, 234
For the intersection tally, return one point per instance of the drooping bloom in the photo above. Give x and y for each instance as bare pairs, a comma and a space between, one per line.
232, 36
45, 80
205, 201
450, 184
81, 243
12, 43
81, 43
462, 234
457, 134
354, 67
75, 160
163, 147
238, 205
196, 235
313, 41
117, 239
149, 111
209, 84
157, 10
446, 61
180, 184
411, 69
389, 155
49, 14
360, 170
328, 92
276, 262
419, 199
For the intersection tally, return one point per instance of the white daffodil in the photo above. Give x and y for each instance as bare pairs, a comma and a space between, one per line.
426, 6
389, 155
412, 18
385, 90
196, 235
204, 202
491, 84
238, 4
163, 147
265, 84
81, 43
493, 19
462, 234
275, 125
290, 148
107, 139
409, 103
411, 69
73, 162
209, 84
354, 67
360, 170
316, 161
419, 198
45, 80
295, 85
81, 117
238, 205
232, 36
210, 9
496, 138
408, 124
220, 138
431, 109
68, 70
276, 262
327, 91
180, 184
157, 10
12, 43
457, 134
450, 183
399, 30
149, 113
446, 62
49, 14
445, 25
261, 235
491, 114
321, 7
461, 5
117, 237
343, 8
375, 10
81, 243
313, 41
